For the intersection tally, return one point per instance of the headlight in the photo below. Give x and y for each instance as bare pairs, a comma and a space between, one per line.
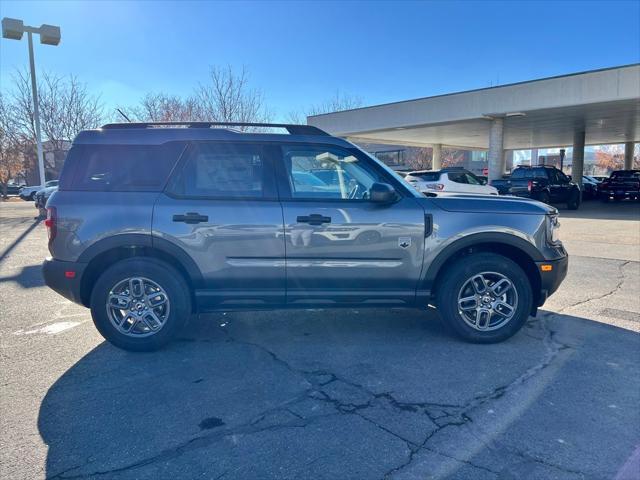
553, 229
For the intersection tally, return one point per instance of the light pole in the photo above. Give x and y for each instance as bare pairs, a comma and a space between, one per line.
49, 35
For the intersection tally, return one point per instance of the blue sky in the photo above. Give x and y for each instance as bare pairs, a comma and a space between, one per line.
300, 53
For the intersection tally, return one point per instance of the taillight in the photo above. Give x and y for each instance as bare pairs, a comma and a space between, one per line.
50, 223
435, 186
529, 185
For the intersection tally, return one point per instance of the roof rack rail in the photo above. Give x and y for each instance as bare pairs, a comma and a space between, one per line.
292, 129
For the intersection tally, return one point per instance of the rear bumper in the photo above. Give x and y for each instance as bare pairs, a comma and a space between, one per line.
551, 280
58, 277
620, 193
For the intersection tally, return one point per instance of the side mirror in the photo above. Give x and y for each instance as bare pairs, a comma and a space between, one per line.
382, 193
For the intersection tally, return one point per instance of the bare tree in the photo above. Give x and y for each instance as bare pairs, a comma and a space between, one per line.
11, 158
420, 159
338, 102
452, 157
227, 97
66, 108
161, 107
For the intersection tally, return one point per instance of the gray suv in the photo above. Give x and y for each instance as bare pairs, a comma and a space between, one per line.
154, 222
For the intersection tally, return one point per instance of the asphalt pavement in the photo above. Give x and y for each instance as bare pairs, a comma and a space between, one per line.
326, 394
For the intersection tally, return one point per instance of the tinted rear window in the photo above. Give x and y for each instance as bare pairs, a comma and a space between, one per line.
122, 168
528, 173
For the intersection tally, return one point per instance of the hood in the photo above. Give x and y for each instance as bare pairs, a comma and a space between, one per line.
460, 202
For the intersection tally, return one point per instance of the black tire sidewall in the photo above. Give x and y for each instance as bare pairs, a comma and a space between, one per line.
574, 201
161, 273
460, 272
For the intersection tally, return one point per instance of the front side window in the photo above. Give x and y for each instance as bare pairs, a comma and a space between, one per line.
327, 172
561, 177
221, 170
458, 177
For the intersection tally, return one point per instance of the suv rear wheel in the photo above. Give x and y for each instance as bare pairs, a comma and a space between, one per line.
574, 200
485, 298
139, 304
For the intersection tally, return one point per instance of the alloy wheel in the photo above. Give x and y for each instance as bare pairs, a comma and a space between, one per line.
487, 301
137, 307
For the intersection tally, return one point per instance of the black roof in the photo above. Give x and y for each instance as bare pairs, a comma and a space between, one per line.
442, 170
291, 128
155, 133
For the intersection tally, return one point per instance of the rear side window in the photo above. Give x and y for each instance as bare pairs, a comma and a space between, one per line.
123, 168
222, 170
427, 176
528, 173
521, 173
540, 173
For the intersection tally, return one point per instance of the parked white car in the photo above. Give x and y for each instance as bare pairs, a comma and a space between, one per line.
456, 180
29, 193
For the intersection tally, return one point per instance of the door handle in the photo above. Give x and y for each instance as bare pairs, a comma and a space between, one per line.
191, 217
314, 219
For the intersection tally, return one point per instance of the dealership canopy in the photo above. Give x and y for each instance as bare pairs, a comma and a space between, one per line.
591, 108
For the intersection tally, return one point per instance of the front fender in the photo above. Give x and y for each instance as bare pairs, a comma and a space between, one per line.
449, 248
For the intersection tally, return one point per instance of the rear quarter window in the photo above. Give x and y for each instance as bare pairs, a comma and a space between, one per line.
121, 168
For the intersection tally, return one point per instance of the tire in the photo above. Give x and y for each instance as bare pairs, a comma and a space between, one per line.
544, 198
172, 314
456, 282
574, 201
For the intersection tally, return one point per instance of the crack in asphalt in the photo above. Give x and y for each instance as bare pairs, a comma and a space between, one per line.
613, 291
442, 416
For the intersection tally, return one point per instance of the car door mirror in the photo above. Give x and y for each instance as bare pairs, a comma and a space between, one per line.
382, 193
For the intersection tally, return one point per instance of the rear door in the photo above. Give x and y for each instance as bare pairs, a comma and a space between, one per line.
221, 208
341, 247
558, 185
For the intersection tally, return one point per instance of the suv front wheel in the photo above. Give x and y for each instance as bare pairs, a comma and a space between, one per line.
139, 304
485, 298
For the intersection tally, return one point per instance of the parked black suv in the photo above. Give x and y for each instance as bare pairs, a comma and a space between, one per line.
545, 183
620, 185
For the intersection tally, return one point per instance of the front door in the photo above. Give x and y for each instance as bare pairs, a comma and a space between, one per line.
221, 208
341, 248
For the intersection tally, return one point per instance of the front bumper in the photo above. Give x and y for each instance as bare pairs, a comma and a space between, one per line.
551, 279
64, 278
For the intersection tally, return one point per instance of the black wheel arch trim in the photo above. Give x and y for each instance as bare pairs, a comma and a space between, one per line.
132, 240
476, 239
